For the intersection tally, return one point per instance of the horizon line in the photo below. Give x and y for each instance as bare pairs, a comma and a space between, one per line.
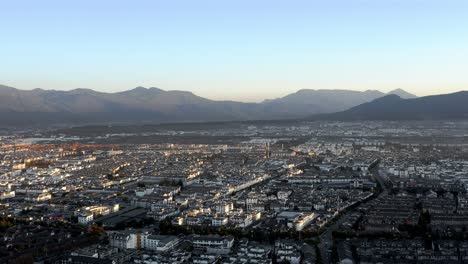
213, 99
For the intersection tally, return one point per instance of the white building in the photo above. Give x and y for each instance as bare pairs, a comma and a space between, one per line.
219, 221
123, 240
85, 217
159, 243
224, 208
214, 244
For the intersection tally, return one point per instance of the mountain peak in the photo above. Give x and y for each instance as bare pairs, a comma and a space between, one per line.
305, 90
140, 90
402, 93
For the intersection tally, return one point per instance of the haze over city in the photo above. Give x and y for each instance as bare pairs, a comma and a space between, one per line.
235, 50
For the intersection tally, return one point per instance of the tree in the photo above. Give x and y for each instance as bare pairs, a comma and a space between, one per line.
5, 223
95, 230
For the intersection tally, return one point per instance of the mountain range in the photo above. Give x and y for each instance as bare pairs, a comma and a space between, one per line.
324, 101
39, 106
392, 107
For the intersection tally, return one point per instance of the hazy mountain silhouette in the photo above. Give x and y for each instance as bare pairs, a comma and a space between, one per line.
393, 107
139, 104
319, 101
402, 93
39, 106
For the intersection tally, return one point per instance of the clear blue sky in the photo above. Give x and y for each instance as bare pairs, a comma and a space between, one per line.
240, 49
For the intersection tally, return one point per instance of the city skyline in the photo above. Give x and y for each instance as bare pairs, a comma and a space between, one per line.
243, 50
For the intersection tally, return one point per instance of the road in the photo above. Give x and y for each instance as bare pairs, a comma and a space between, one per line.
326, 239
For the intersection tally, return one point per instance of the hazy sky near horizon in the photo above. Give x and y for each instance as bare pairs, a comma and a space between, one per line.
245, 50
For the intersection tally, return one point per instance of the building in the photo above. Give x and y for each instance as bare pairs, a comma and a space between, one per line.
214, 244
85, 217
159, 243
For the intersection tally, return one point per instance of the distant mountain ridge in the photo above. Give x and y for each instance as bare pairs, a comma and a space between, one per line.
402, 93
321, 101
39, 106
392, 107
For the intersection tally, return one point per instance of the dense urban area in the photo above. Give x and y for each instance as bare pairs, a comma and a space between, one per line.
307, 192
